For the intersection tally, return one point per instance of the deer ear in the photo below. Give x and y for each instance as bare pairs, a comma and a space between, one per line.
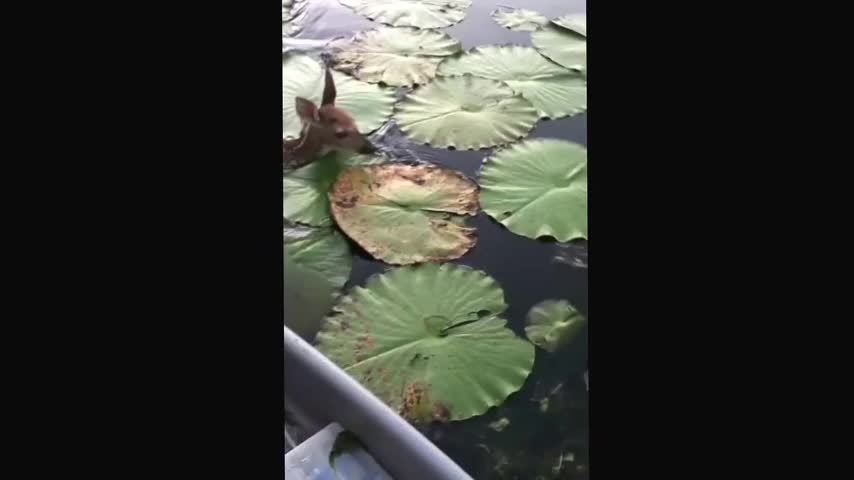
328, 88
306, 110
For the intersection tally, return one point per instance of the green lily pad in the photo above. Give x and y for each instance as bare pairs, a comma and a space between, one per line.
322, 250
304, 189
404, 213
428, 341
553, 324
538, 188
563, 46
576, 22
465, 112
394, 55
411, 13
519, 19
369, 105
553, 90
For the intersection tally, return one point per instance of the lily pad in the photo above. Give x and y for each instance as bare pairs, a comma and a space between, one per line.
404, 213
538, 188
553, 90
369, 105
563, 46
519, 19
428, 340
394, 55
576, 22
293, 14
465, 112
304, 189
322, 250
553, 324
411, 13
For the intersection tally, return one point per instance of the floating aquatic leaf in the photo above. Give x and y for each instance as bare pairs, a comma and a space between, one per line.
369, 105
428, 340
576, 22
322, 250
308, 297
561, 45
538, 188
465, 112
394, 55
555, 91
411, 13
293, 14
519, 19
552, 324
403, 213
304, 189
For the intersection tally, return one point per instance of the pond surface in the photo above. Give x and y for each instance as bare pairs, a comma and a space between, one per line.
547, 434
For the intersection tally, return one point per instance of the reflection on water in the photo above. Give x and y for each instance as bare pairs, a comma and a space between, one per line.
546, 436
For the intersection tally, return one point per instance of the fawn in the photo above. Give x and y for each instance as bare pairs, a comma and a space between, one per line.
322, 127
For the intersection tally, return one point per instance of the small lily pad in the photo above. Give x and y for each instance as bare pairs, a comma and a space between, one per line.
428, 340
411, 13
553, 324
404, 213
304, 189
465, 112
519, 19
563, 46
538, 188
554, 90
394, 55
321, 250
576, 22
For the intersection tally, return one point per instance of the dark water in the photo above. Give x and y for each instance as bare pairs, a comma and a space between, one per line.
527, 270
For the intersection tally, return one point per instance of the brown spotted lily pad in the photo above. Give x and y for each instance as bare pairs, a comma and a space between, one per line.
404, 213
429, 341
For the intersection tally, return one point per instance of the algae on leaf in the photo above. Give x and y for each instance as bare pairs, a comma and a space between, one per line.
563, 46
394, 55
304, 189
519, 19
538, 188
553, 324
465, 112
428, 340
403, 213
411, 13
553, 90
369, 105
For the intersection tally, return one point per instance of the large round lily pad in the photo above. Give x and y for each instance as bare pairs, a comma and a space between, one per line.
564, 46
411, 13
555, 91
428, 340
553, 324
369, 105
405, 213
304, 189
465, 112
538, 188
519, 19
394, 55
576, 22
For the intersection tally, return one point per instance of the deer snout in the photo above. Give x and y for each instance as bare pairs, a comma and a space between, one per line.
368, 147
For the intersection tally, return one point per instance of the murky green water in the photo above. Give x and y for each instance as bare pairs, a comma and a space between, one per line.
547, 433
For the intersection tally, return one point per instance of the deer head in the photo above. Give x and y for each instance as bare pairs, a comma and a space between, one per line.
326, 125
